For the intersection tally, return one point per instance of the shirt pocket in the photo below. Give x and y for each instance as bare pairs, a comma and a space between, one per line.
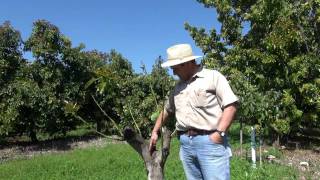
180, 101
199, 98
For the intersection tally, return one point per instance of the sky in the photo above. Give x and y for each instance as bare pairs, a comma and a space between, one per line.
141, 30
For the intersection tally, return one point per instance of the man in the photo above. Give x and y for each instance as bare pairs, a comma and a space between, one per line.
204, 106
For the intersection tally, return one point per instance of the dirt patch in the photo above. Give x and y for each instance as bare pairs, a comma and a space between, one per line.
18, 150
305, 161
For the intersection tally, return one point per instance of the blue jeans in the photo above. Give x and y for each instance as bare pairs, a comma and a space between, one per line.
203, 159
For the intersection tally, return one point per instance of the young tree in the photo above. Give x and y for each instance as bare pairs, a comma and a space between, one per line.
134, 99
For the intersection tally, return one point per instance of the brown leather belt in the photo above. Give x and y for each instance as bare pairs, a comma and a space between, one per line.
195, 132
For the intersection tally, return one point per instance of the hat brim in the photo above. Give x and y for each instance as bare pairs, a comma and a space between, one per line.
174, 62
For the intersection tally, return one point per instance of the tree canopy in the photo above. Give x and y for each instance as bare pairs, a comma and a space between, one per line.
270, 52
43, 95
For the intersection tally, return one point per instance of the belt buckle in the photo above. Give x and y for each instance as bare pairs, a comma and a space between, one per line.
192, 132
189, 132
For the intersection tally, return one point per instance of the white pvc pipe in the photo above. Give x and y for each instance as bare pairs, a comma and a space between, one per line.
253, 147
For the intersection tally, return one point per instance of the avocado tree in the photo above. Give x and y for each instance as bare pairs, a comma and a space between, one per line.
135, 100
57, 74
270, 52
10, 62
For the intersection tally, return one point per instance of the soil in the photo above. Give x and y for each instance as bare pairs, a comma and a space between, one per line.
17, 150
306, 161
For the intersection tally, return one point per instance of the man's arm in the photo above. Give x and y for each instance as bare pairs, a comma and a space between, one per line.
227, 117
225, 121
162, 118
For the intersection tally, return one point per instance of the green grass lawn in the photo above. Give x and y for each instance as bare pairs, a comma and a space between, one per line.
120, 161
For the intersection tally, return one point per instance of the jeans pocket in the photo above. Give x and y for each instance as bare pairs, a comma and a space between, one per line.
182, 139
214, 149
213, 141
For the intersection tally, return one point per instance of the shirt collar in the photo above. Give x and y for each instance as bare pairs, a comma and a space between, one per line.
199, 73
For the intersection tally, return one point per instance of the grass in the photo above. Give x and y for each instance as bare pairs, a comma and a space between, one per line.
120, 162
111, 162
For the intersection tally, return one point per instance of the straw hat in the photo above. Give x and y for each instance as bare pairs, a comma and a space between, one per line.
179, 54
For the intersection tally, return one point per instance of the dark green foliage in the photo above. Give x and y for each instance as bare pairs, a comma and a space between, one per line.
10, 53
63, 83
10, 62
35, 94
270, 52
129, 99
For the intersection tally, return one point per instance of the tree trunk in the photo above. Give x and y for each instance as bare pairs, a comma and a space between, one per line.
154, 161
276, 141
99, 125
32, 132
33, 136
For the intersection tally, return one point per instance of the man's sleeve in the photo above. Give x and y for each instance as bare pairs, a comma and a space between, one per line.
169, 104
223, 90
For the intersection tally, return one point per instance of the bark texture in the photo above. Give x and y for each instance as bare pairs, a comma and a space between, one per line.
154, 161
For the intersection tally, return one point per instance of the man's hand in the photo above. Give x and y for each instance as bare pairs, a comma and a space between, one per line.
153, 142
216, 138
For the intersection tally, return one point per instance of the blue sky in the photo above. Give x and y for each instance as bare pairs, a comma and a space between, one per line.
140, 30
